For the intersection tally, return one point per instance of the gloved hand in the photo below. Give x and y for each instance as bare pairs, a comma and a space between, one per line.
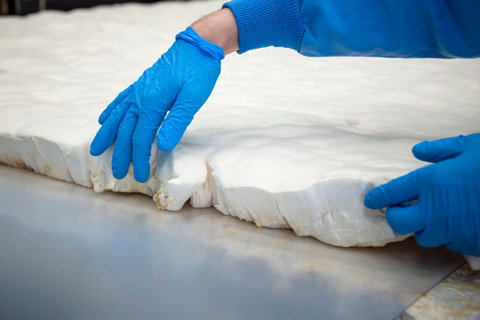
179, 83
448, 194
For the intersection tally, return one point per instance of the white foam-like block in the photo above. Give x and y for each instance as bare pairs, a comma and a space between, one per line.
284, 141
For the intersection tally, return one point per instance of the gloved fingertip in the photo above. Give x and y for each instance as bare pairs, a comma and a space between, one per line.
98, 145
119, 175
119, 167
141, 174
394, 219
439, 150
368, 202
94, 149
139, 178
420, 147
104, 115
418, 150
371, 200
405, 220
164, 145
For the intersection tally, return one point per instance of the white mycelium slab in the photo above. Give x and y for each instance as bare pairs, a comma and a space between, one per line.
285, 141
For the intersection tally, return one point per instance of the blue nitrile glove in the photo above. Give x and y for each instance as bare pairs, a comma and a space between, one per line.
179, 83
448, 194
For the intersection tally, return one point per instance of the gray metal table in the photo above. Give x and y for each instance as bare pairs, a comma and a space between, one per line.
68, 252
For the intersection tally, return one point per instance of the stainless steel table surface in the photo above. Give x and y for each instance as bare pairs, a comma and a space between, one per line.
67, 252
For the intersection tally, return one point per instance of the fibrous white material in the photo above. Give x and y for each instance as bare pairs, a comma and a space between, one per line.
284, 141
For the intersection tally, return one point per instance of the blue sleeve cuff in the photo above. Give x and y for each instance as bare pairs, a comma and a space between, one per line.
263, 23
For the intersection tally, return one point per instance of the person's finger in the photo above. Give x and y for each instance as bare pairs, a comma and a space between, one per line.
179, 118
143, 137
405, 219
173, 129
394, 192
431, 237
122, 153
437, 231
108, 132
439, 150
104, 115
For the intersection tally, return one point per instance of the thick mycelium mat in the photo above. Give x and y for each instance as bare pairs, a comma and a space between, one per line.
285, 141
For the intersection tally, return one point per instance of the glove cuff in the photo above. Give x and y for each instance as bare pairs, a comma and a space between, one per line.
192, 37
263, 23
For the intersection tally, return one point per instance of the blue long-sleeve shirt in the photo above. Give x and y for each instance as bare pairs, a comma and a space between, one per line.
385, 28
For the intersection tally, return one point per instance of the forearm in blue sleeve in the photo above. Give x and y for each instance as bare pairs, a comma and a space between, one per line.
384, 28
263, 23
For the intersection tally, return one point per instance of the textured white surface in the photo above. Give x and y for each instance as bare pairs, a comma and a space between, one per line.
285, 141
